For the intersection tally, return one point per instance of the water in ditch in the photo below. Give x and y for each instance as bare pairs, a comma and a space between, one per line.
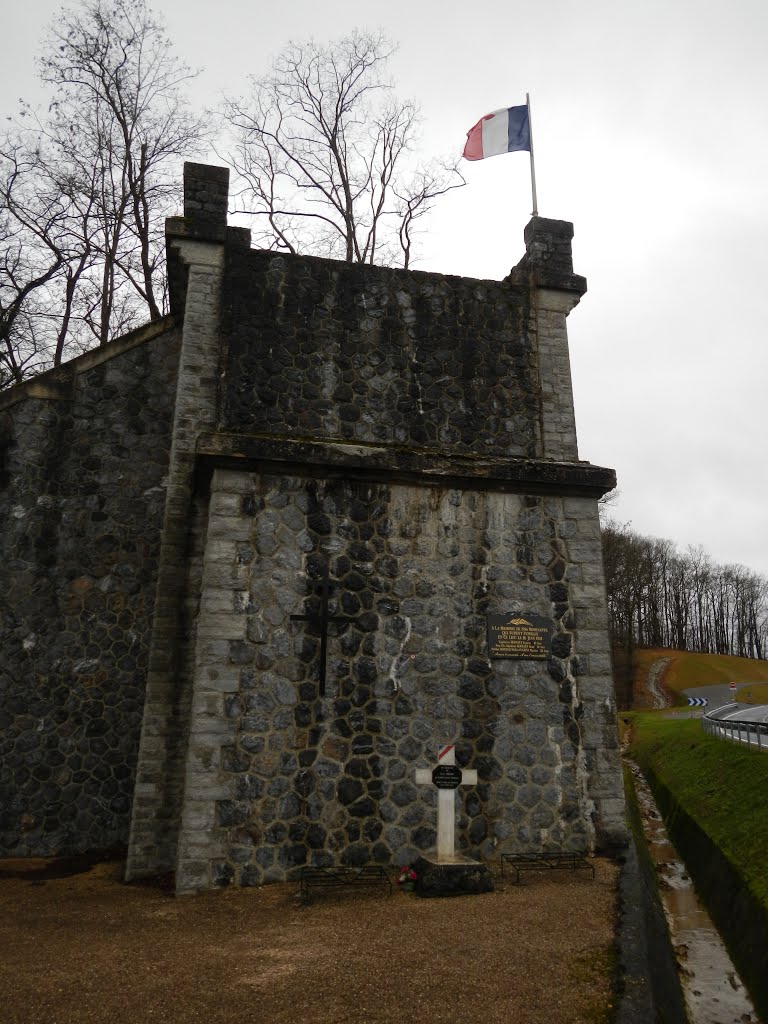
714, 993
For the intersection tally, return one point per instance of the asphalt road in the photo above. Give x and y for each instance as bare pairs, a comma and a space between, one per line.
717, 694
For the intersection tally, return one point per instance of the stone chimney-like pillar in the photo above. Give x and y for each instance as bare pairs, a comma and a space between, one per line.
547, 268
196, 245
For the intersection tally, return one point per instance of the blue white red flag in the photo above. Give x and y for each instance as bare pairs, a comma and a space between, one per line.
503, 131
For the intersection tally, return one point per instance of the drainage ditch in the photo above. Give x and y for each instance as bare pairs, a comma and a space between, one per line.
713, 990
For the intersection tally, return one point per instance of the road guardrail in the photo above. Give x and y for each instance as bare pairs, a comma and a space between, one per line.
739, 724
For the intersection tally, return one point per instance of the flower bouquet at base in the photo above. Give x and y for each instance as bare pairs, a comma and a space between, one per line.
406, 879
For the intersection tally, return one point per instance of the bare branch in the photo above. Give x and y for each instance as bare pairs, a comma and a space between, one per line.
323, 132
94, 177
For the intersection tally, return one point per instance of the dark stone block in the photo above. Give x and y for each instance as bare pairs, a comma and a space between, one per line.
319, 522
356, 856
253, 744
424, 838
229, 813
349, 790
235, 761
403, 705
316, 837
276, 833
222, 873
290, 806
360, 696
368, 622
459, 879
472, 804
240, 652
297, 831
372, 829
479, 667
341, 728
524, 555
478, 830
292, 856
556, 670
304, 783
362, 744
251, 504
488, 768
561, 645
470, 689
381, 853
376, 788
557, 569
404, 793
359, 768
302, 715
363, 808
350, 603
365, 670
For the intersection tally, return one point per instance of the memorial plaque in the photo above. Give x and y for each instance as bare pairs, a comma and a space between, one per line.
519, 635
446, 776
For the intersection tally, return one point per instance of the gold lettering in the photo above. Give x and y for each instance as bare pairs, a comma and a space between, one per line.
518, 638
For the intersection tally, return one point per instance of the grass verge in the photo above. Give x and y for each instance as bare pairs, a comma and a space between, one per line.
720, 785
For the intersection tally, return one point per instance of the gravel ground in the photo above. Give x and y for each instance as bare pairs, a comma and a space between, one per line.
86, 948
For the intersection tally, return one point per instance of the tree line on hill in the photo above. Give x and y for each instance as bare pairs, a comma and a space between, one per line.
320, 147
659, 596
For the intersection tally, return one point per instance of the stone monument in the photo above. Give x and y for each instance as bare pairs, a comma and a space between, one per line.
449, 873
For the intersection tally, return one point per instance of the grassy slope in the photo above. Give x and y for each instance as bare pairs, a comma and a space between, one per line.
686, 669
720, 785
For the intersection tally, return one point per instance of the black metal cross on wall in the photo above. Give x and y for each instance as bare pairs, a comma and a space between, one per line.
321, 620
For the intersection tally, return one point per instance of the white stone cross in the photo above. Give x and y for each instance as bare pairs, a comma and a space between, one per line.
446, 814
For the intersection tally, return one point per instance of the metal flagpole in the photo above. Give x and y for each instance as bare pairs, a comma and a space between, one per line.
535, 211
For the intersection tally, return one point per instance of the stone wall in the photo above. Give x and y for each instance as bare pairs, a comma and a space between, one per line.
83, 459
323, 349
278, 776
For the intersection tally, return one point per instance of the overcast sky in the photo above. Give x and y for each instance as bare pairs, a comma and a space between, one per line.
651, 136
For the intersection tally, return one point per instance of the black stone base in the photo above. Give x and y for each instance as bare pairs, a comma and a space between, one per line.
460, 877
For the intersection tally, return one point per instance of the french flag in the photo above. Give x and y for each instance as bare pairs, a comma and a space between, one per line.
503, 131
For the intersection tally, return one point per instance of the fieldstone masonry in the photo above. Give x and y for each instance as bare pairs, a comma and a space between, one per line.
83, 464
412, 437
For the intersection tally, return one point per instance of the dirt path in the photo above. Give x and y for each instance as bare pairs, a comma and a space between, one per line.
90, 949
660, 698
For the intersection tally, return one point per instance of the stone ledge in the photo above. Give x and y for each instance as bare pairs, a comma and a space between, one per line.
58, 383
264, 453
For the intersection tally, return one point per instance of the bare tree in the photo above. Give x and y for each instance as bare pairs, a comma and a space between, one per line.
658, 597
35, 249
607, 503
323, 150
117, 80
84, 187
